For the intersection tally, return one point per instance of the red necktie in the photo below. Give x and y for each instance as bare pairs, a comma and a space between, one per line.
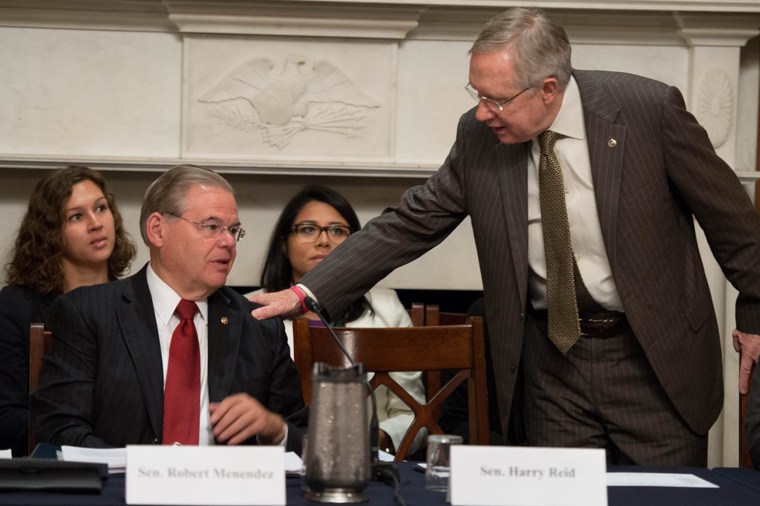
182, 405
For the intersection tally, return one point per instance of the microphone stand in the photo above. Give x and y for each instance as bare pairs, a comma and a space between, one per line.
385, 472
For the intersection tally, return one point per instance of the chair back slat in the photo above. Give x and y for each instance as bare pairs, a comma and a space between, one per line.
434, 316
417, 314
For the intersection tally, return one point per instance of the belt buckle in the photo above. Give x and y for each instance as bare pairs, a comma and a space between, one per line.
599, 327
595, 321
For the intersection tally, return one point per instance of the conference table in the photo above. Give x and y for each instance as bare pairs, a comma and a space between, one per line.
736, 487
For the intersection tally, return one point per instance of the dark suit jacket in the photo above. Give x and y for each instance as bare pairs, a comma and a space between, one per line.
660, 173
103, 382
20, 306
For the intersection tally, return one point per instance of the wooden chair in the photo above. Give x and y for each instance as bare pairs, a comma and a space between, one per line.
384, 350
40, 344
744, 459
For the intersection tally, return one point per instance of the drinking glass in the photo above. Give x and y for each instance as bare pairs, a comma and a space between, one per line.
438, 466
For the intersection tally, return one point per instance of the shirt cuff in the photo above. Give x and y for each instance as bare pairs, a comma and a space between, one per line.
308, 292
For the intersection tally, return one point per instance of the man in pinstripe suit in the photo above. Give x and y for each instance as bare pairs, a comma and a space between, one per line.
644, 381
103, 384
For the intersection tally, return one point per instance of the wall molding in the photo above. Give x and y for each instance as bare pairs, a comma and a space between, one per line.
326, 169
273, 167
395, 19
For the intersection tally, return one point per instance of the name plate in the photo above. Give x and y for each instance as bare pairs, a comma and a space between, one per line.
196, 475
511, 476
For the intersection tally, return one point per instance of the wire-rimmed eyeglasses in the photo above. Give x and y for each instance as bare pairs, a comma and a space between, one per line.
310, 232
211, 230
493, 105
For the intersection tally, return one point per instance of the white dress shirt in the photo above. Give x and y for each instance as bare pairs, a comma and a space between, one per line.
585, 231
165, 301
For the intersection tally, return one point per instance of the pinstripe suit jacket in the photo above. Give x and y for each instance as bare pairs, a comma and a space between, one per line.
103, 382
661, 172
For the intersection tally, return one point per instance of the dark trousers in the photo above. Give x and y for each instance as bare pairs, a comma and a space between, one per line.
603, 394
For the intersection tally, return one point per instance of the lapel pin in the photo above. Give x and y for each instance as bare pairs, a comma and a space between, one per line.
612, 143
225, 320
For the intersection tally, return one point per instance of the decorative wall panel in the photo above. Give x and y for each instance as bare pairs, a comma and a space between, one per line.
317, 99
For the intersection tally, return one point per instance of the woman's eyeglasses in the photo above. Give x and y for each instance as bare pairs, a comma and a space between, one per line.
310, 232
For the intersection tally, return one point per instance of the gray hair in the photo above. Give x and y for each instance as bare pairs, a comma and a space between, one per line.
539, 45
166, 194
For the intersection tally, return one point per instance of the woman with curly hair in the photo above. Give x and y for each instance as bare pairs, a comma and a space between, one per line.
313, 223
72, 235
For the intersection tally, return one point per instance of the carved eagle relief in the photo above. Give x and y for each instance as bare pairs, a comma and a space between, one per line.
301, 96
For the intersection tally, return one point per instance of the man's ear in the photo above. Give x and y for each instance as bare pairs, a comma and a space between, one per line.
549, 89
154, 229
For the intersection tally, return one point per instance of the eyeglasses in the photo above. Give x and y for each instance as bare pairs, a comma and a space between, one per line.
310, 232
492, 104
214, 230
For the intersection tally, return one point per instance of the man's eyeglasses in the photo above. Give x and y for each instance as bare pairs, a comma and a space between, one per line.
310, 232
493, 105
214, 230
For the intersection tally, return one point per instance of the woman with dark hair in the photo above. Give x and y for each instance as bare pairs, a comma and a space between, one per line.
72, 235
312, 224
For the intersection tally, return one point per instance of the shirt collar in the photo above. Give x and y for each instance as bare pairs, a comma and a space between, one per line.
165, 299
569, 121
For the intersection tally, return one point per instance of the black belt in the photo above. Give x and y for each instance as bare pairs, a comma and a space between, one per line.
601, 324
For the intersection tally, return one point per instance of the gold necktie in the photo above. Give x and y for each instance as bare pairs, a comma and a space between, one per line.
564, 329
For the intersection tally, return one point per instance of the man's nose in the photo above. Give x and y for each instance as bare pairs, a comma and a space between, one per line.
227, 239
483, 112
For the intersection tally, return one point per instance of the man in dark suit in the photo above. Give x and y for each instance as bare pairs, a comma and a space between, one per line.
114, 350
627, 357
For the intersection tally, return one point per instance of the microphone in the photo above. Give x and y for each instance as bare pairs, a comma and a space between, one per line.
380, 470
